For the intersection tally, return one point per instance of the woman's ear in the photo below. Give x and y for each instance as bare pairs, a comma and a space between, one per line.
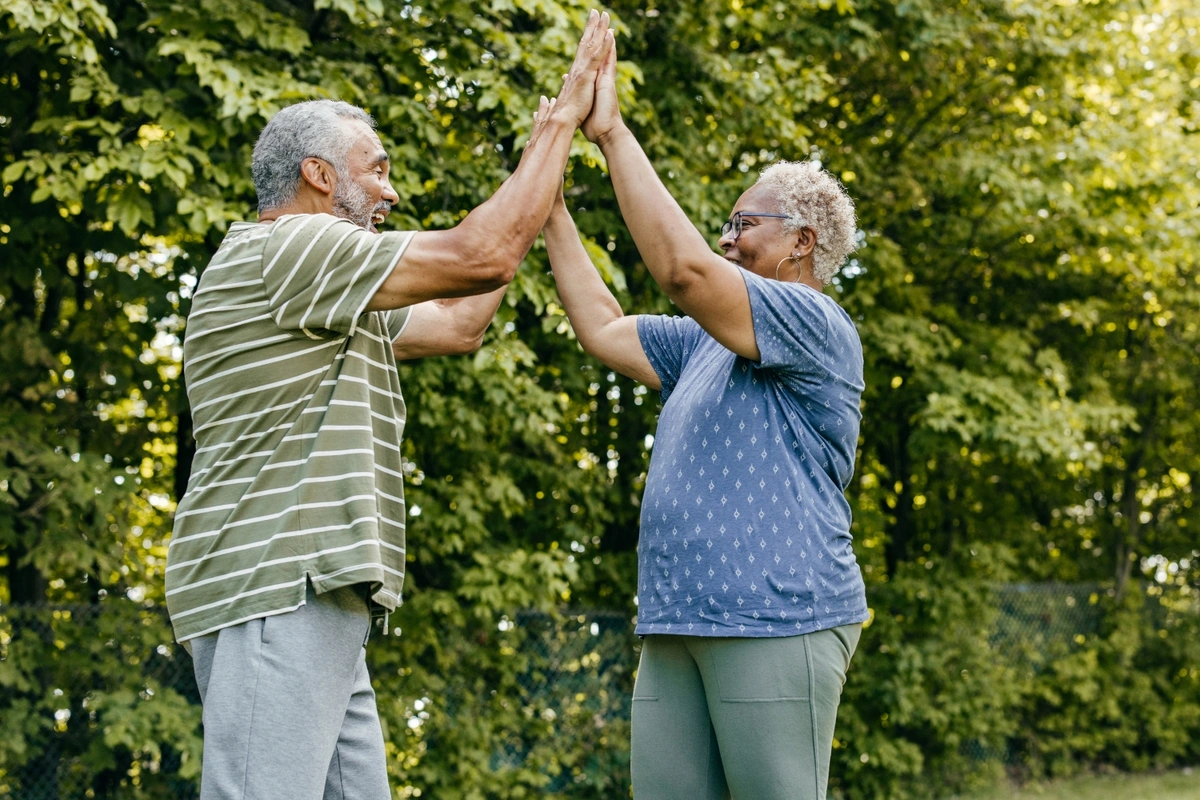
318, 174
806, 241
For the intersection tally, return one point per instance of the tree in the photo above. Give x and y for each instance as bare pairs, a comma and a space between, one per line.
1026, 295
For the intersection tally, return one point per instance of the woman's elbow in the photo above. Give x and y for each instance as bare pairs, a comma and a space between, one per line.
679, 278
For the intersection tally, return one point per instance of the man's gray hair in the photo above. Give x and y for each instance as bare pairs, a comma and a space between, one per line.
314, 128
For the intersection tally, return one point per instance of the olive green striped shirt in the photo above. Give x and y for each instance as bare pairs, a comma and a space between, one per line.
298, 415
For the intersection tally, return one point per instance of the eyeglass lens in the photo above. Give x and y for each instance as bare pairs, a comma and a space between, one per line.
734, 224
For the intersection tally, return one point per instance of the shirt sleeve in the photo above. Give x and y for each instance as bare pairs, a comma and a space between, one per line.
668, 342
802, 334
397, 321
320, 272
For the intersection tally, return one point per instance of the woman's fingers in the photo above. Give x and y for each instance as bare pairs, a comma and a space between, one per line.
539, 120
608, 69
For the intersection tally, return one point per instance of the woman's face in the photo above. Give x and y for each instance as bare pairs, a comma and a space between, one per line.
763, 242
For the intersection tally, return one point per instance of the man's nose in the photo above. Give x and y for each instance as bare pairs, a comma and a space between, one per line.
389, 194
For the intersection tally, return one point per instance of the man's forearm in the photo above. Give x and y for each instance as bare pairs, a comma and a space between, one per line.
508, 223
670, 245
447, 327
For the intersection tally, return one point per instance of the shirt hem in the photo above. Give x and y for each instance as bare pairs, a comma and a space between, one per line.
240, 613
727, 631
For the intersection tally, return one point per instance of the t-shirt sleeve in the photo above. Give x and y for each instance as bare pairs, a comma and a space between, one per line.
668, 342
801, 333
397, 320
320, 272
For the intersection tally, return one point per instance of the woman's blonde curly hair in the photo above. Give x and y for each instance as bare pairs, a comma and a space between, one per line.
812, 198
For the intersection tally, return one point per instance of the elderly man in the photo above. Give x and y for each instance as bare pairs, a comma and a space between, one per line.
292, 527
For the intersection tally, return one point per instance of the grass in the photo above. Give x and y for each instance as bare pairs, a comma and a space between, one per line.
1182, 785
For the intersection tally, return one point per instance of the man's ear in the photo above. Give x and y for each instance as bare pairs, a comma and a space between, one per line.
806, 241
318, 173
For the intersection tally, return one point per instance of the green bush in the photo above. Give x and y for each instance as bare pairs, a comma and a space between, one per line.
928, 693
1128, 698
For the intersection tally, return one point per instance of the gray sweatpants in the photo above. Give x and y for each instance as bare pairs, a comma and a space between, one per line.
289, 711
748, 719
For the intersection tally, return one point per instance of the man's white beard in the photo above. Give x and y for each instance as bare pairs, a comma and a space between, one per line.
351, 202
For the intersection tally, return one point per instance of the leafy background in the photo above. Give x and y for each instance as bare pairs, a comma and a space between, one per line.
1027, 294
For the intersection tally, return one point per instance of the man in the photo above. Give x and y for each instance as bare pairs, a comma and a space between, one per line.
292, 526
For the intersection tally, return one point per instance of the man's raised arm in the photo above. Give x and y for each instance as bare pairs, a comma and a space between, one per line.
481, 254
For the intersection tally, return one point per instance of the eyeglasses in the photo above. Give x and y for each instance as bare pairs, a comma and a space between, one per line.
735, 222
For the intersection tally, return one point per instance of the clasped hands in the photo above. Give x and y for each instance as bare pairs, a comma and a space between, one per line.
588, 97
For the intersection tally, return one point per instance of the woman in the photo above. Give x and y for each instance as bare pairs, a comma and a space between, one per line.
749, 596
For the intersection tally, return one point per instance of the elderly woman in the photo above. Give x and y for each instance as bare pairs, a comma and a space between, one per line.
750, 600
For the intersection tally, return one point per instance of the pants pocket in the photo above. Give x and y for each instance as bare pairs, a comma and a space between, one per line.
646, 685
763, 670
848, 636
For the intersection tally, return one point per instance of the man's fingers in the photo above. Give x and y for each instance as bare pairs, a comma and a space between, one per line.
594, 47
588, 30
591, 44
543, 111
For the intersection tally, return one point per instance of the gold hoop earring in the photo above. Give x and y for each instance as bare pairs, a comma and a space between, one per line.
780, 264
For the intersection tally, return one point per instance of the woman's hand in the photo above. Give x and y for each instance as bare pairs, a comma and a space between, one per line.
540, 118
605, 118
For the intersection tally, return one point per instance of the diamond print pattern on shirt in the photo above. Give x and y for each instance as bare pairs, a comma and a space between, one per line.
745, 529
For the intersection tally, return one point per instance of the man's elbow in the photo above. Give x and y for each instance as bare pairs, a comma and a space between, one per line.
466, 345
502, 273
452, 345
494, 266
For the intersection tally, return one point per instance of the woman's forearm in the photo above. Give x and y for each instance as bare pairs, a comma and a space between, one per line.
602, 327
588, 302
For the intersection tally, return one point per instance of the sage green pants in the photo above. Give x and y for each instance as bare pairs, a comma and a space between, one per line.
748, 719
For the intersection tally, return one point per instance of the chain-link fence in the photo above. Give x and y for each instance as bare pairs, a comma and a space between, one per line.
71, 677
75, 686
1038, 614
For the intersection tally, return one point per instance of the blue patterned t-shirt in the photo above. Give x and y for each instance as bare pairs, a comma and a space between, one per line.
745, 529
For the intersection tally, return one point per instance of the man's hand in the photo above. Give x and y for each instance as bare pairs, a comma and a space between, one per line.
605, 118
579, 85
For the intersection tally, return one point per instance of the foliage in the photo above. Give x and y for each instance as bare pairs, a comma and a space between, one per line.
929, 690
1027, 296
99, 685
1128, 698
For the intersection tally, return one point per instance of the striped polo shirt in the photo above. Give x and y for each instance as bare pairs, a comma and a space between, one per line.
298, 415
